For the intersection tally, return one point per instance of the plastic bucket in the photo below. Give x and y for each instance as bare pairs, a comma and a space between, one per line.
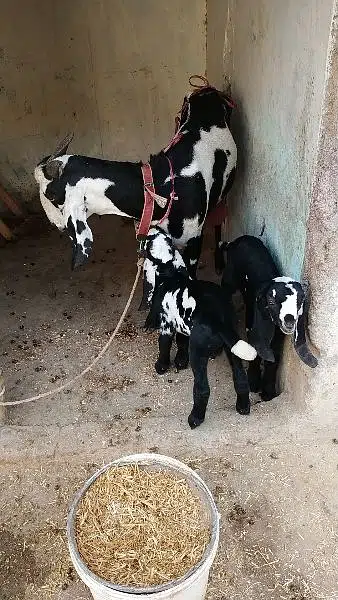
194, 583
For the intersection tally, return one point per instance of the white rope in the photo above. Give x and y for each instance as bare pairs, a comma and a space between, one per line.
92, 364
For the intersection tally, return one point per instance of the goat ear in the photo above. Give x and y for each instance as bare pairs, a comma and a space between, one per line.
149, 277
53, 169
147, 292
74, 212
299, 341
262, 331
152, 321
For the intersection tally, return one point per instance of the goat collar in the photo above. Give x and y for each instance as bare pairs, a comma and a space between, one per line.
150, 197
148, 207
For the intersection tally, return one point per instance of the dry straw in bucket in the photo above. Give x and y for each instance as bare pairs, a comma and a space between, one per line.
190, 585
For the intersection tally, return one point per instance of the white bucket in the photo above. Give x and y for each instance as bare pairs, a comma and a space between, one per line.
194, 583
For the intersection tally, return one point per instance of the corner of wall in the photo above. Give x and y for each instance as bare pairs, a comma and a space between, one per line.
319, 387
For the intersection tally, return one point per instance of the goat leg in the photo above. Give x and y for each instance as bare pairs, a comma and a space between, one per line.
269, 382
201, 390
163, 362
269, 377
255, 375
241, 384
218, 255
181, 359
192, 253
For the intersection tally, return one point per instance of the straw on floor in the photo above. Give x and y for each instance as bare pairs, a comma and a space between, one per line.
141, 528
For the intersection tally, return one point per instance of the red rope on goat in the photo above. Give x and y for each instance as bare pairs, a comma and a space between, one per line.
205, 82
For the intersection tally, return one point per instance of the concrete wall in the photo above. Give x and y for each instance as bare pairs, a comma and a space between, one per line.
282, 62
320, 387
114, 71
274, 54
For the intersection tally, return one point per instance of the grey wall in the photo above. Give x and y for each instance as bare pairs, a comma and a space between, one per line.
114, 71
319, 387
282, 60
274, 53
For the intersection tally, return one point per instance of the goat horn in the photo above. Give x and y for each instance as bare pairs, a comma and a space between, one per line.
61, 147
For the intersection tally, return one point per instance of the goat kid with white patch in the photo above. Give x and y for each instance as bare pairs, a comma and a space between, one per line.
274, 305
198, 167
201, 315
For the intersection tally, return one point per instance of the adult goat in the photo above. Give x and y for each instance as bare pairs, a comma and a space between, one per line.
192, 177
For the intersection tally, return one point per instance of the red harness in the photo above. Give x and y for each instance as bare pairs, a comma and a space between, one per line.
149, 199
148, 208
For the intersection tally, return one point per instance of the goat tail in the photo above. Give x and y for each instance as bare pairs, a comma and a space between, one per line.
237, 346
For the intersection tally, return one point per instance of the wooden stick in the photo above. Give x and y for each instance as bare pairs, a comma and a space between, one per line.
5, 231
10, 202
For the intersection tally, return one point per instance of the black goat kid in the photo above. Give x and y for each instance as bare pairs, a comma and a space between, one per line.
201, 315
274, 306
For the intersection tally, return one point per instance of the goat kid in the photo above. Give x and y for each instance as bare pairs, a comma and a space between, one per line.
274, 306
201, 315
203, 159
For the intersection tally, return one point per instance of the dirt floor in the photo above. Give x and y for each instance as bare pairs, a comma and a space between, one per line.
273, 474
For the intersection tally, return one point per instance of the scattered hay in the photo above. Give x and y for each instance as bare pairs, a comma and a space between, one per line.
141, 528
129, 331
113, 384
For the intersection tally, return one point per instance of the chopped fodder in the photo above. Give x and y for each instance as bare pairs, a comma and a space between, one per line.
138, 527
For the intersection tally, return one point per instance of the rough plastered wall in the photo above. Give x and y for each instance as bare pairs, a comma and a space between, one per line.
282, 60
275, 55
114, 71
320, 387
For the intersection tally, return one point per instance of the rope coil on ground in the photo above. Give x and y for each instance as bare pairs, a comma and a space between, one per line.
92, 364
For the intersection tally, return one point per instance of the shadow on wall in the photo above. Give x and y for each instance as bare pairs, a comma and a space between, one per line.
93, 67
255, 211
45, 88
246, 217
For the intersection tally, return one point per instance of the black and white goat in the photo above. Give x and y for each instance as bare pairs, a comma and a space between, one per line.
199, 168
274, 306
200, 313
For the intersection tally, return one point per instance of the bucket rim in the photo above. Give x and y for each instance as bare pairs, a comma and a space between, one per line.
145, 459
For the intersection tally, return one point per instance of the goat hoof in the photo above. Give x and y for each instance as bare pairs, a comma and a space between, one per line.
216, 353
243, 410
254, 386
254, 379
268, 395
194, 421
181, 362
161, 368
